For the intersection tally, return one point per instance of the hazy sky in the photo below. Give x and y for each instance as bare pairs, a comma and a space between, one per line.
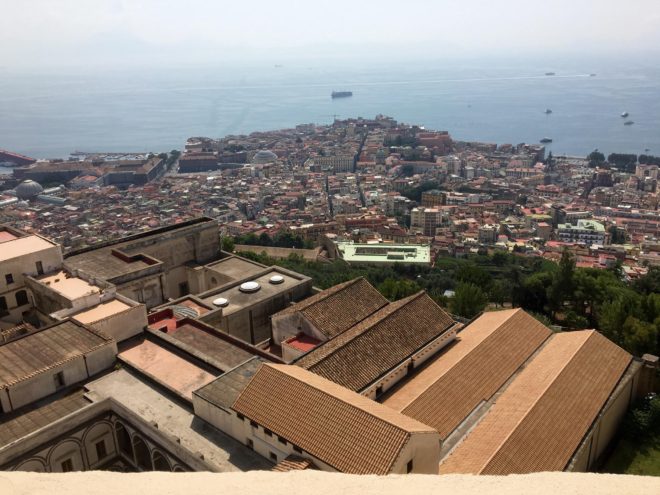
129, 32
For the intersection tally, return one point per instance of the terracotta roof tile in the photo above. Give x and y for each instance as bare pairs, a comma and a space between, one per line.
540, 419
293, 463
487, 353
363, 353
337, 309
341, 428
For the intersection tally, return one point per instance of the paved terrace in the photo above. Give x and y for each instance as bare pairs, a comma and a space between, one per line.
219, 450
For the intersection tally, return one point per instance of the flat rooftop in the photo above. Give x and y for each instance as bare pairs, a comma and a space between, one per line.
68, 286
167, 368
20, 246
102, 263
103, 310
47, 348
210, 343
220, 451
302, 342
6, 236
239, 300
385, 253
236, 268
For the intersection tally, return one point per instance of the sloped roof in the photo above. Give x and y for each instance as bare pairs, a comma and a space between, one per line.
339, 427
40, 351
337, 309
361, 354
293, 463
539, 421
486, 354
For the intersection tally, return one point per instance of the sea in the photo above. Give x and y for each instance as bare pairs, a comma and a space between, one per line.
51, 113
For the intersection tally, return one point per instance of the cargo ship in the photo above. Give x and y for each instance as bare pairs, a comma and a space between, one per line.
341, 94
546, 140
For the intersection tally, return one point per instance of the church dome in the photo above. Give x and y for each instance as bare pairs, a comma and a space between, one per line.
28, 189
264, 156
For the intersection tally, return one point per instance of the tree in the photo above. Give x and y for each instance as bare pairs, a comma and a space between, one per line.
618, 236
228, 244
499, 292
649, 283
395, 289
639, 336
562, 284
596, 158
468, 301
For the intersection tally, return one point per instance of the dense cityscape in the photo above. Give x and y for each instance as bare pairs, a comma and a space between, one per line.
462, 298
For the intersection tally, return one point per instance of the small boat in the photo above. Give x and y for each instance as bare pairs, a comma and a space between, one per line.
624, 115
341, 94
592, 75
628, 122
548, 111
549, 73
546, 140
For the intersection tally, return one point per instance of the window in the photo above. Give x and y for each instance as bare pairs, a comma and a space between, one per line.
379, 390
3, 306
184, 289
273, 456
40, 268
9, 278
21, 298
297, 449
101, 452
281, 440
67, 466
240, 416
409, 466
250, 444
59, 379
268, 432
254, 424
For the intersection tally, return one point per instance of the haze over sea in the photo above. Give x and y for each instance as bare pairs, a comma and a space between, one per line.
49, 115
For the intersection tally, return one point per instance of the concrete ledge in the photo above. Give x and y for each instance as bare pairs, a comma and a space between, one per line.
302, 483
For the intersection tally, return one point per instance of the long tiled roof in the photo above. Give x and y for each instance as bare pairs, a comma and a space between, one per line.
363, 353
540, 419
335, 310
341, 428
42, 350
487, 353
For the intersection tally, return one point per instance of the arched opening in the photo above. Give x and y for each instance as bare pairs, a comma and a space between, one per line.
160, 462
178, 469
21, 298
142, 456
124, 440
3, 306
33, 465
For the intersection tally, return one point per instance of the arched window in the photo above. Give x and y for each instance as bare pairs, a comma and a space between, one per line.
160, 462
142, 456
21, 298
124, 440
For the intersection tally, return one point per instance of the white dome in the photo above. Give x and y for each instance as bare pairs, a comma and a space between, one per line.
221, 302
249, 287
276, 279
